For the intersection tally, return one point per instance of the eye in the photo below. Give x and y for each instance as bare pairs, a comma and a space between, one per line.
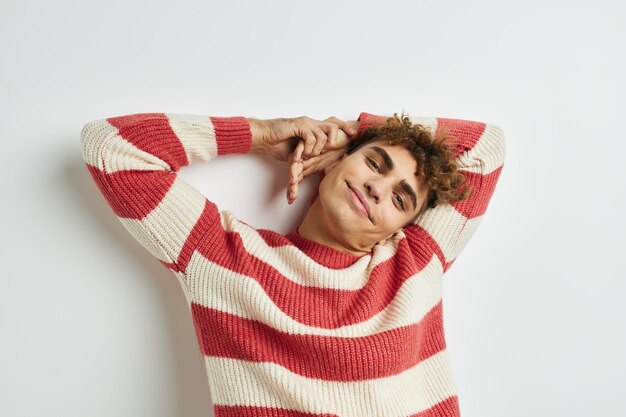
400, 200
374, 164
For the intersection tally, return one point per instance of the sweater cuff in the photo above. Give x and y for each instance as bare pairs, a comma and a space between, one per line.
367, 119
232, 134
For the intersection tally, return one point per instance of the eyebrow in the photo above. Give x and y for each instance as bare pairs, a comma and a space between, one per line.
389, 166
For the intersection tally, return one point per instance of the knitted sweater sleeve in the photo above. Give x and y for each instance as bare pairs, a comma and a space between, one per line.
479, 150
134, 161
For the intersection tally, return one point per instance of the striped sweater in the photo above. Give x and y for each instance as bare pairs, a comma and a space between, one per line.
289, 327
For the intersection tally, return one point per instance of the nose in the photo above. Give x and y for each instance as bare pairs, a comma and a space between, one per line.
373, 190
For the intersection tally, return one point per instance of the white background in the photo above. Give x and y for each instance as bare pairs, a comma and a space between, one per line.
92, 325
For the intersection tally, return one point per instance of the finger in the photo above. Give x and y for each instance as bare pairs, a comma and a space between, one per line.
291, 157
343, 125
309, 142
296, 176
294, 187
308, 166
331, 130
347, 127
299, 168
340, 140
322, 138
294, 171
298, 151
292, 192
307, 171
290, 163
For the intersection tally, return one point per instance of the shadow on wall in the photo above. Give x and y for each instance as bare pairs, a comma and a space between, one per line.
189, 377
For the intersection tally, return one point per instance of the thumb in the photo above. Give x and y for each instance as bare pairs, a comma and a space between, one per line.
347, 127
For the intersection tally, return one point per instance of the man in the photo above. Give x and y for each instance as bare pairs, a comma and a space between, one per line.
343, 315
390, 195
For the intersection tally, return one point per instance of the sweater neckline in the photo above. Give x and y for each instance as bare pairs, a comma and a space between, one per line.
322, 254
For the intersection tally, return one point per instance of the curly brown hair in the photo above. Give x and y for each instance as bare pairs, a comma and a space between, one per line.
433, 154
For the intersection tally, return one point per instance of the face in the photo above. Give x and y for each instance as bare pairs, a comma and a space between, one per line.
369, 195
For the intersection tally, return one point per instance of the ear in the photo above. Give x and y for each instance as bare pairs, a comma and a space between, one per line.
328, 168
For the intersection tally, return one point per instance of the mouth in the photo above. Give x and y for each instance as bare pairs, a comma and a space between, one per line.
359, 201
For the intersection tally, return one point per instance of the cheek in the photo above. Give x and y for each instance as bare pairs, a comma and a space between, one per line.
392, 220
328, 185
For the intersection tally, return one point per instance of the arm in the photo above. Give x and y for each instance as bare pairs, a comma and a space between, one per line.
134, 159
479, 149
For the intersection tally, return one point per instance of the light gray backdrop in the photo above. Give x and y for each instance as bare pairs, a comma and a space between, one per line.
92, 325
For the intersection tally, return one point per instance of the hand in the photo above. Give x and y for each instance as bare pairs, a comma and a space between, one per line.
279, 137
299, 168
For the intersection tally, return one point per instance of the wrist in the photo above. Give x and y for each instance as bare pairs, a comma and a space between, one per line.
259, 129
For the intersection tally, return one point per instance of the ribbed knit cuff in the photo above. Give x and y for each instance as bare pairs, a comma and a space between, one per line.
233, 134
368, 119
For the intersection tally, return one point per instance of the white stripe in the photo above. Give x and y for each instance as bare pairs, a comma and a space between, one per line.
266, 384
197, 135
221, 289
92, 137
140, 231
429, 122
106, 150
295, 265
165, 229
488, 153
464, 237
449, 228
445, 224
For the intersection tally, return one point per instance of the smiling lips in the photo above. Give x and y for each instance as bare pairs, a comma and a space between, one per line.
359, 201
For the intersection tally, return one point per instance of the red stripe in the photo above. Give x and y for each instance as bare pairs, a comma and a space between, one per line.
329, 308
151, 132
233, 134
133, 194
367, 119
256, 411
423, 245
447, 408
466, 133
208, 223
325, 255
483, 186
330, 358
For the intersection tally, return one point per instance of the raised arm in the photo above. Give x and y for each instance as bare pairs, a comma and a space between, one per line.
134, 159
479, 149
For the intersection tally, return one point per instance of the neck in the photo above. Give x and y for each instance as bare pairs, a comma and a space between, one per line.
314, 227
